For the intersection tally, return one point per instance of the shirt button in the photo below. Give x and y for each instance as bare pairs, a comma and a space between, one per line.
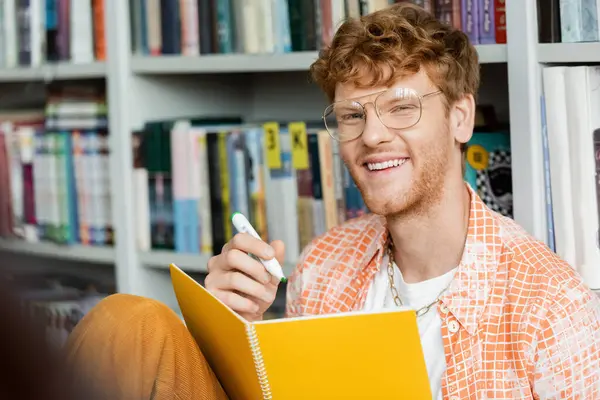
453, 326
444, 308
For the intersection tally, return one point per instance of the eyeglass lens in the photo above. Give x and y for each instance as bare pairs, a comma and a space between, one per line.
398, 108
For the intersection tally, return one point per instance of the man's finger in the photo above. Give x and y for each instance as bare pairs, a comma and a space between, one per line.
237, 260
239, 282
249, 244
237, 303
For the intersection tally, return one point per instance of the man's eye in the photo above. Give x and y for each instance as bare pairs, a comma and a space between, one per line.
402, 108
347, 117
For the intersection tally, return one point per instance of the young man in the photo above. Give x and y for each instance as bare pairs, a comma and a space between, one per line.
500, 316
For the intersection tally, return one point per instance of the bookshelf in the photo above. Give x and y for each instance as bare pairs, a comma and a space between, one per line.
569, 53
258, 63
50, 72
275, 86
88, 254
161, 259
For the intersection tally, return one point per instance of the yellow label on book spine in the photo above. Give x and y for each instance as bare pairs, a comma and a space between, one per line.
224, 169
272, 145
299, 145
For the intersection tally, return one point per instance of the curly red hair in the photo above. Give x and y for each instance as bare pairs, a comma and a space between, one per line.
400, 39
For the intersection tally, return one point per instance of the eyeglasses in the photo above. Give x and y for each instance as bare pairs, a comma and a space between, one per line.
396, 108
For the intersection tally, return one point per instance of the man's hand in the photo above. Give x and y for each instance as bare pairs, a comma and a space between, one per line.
240, 281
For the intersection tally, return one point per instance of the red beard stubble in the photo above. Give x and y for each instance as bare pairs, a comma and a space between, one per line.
426, 187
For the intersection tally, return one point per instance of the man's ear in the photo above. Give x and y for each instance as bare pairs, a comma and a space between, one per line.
462, 119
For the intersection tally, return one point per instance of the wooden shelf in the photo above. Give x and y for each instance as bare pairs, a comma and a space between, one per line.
91, 254
255, 63
50, 72
561, 53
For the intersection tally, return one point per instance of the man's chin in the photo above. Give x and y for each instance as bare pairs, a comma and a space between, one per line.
388, 205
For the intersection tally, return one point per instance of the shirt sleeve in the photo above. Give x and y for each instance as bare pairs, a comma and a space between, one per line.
294, 300
567, 354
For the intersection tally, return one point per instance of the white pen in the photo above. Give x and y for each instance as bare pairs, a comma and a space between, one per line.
242, 225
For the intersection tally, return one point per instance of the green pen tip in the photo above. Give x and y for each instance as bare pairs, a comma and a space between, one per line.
284, 279
234, 214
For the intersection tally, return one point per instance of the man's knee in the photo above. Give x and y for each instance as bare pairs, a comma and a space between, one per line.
131, 307
127, 318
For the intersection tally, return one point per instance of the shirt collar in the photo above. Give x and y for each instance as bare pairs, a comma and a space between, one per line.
468, 294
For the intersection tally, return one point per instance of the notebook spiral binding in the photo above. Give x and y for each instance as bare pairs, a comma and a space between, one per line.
259, 363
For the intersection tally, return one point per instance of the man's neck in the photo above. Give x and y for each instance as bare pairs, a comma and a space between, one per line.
431, 243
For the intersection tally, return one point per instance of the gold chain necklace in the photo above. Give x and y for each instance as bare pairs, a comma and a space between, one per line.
397, 300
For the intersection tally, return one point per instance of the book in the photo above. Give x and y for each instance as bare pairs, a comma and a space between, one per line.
357, 355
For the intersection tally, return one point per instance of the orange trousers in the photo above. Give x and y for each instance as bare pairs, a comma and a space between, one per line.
130, 347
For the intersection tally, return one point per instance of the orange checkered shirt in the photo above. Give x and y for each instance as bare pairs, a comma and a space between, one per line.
517, 321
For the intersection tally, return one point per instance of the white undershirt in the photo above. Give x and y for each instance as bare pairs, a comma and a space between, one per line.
416, 295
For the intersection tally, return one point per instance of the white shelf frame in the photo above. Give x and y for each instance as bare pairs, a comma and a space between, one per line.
57, 71
130, 77
253, 63
566, 53
524, 82
161, 259
90, 254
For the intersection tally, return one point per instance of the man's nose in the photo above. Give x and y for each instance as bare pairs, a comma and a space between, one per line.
375, 132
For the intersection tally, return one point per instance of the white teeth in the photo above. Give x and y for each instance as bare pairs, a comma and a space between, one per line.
386, 164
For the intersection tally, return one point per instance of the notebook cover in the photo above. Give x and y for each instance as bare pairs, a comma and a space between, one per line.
345, 356
220, 335
341, 356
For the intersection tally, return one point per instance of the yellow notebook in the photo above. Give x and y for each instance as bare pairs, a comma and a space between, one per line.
338, 356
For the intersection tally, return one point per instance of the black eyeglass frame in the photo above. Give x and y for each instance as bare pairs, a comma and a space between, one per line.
421, 98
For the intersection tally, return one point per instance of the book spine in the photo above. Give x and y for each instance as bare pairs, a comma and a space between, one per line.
258, 212
225, 190
549, 26
99, 33
337, 181
190, 31
63, 43
469, 19
24, 32
10, 33
486, 25
37, 33
500, 21
259, 362
180, 179
27, 135
5, 201
153, 27
329, 199
318, 205
78, 151
205, 24
204, 201
443, 11
16, 176
170, 26
81, 34
578, 21
456, 14
216, 203
224, 27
